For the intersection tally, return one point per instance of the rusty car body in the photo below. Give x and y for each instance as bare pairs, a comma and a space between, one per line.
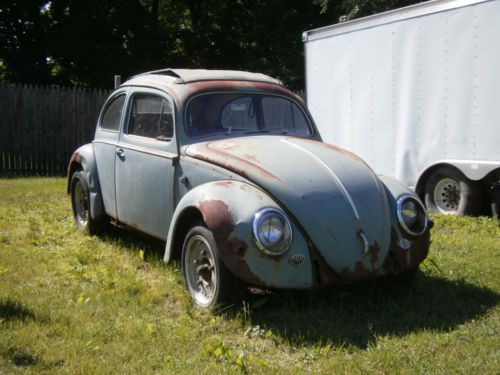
230, 171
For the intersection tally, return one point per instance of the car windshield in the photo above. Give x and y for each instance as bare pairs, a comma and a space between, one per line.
228, 113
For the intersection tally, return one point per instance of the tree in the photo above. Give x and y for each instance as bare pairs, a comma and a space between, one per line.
351, 9
23, 41
87, 42
95, 39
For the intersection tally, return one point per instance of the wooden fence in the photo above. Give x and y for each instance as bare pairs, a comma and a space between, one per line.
40, 127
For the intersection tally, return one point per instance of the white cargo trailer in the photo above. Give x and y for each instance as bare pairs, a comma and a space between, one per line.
416, 93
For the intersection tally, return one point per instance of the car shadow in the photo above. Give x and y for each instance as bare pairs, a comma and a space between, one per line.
357, 315
132, 240
348, 315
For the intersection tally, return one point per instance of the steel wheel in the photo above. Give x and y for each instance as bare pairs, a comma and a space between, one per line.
448, 191
209, 282
447, 196
200, 270
80, 201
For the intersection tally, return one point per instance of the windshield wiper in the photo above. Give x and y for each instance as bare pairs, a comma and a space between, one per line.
279, 131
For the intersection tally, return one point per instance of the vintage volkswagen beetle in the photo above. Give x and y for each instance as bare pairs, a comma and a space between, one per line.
228, 168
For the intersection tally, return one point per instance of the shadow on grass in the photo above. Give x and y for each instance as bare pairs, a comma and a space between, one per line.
13, 310
356, 315
20, 357
132, 240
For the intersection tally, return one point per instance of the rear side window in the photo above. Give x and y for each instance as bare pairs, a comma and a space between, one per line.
113, 113
151, 117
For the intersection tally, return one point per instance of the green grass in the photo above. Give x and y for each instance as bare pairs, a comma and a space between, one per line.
71, 303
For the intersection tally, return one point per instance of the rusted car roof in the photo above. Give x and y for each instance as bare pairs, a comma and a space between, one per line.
181, 76
180, 84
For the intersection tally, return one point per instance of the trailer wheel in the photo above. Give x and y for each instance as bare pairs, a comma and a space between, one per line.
449, 192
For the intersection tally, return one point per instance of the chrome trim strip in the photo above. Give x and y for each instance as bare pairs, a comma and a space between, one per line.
332, 174
412, 11
126, 146
366, 245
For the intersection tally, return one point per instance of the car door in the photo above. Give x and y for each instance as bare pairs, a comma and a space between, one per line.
105, 143
145, 163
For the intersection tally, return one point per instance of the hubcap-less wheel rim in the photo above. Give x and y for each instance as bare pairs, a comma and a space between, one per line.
447, 196
201, 270
81, 204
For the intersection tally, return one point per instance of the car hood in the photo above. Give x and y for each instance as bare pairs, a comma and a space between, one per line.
332, 194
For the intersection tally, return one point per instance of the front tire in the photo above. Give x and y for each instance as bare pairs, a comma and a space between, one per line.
449, 192
80, 202
208, 281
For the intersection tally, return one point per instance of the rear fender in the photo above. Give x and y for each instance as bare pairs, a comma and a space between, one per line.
228, 208
84, 159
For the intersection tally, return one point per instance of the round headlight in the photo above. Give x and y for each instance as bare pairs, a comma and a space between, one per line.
272, 231
411, 215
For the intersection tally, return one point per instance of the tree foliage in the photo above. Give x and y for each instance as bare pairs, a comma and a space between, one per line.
86, 42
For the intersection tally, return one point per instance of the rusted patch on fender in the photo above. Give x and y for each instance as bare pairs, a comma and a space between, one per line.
217, 156
237, 247
233, 255
219, 220
373, 251
400, 260
359, 272
324, 275
246, 188
225, 184
252, 158
75, 158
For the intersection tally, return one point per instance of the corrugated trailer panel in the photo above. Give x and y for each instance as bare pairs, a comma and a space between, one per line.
413, 91
488, 79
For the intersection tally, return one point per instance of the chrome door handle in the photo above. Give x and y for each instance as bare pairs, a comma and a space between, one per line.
119, 151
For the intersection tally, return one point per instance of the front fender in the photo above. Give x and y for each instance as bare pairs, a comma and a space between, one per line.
228, 208
406, 251
84, 158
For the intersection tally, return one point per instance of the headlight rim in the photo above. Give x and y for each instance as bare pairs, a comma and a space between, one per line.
399, 204
255, 226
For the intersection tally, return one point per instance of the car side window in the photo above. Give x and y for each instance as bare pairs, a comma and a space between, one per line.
151, 116
112, 114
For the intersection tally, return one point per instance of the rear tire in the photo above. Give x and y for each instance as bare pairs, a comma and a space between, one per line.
80, 202
449, 192
209, 282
